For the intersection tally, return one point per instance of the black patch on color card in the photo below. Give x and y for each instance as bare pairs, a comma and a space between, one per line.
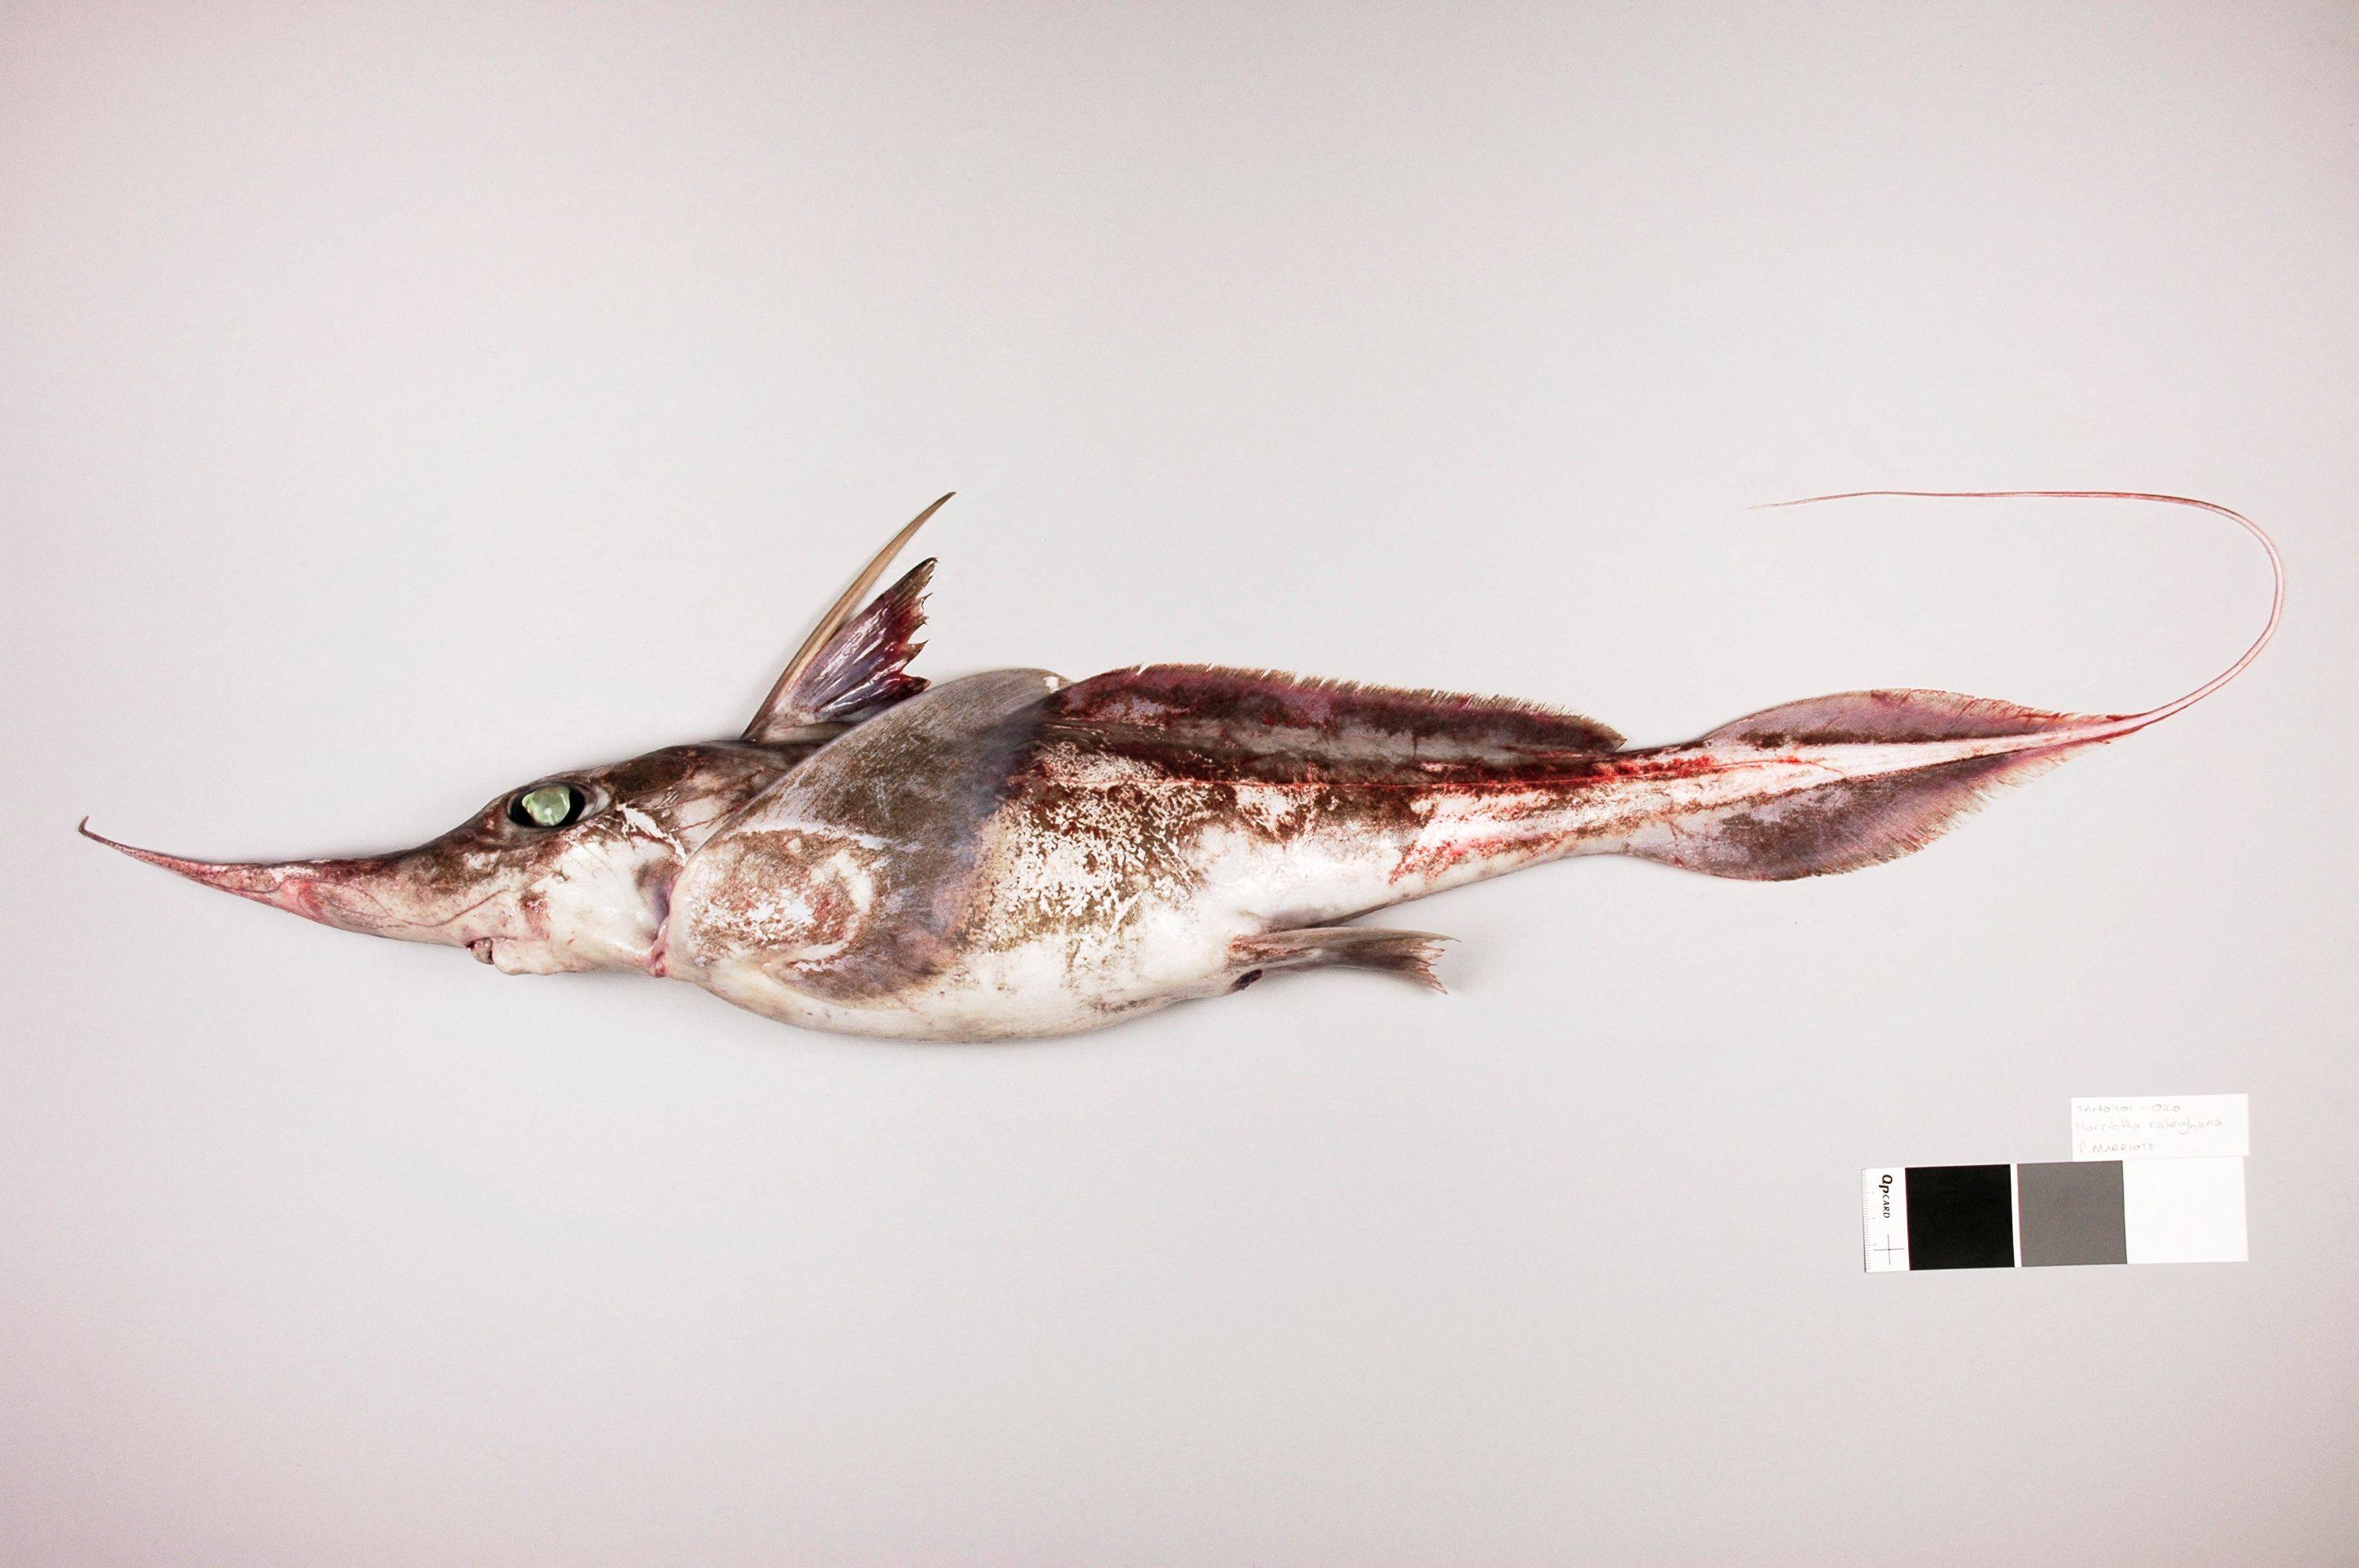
1961, 1216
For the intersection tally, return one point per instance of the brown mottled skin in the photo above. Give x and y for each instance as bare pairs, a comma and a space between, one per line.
1012, 855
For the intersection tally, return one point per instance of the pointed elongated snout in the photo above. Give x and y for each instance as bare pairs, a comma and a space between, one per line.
383, 895
571, 871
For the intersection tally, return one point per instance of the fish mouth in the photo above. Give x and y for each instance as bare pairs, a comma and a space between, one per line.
480, 949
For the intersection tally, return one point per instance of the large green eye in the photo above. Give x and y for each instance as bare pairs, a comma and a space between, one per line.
546, 805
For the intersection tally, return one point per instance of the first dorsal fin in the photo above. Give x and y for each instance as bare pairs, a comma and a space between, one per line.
864, 666
850, 664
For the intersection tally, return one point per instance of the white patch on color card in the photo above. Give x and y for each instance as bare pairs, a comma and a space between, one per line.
2161, 1127
2184, 1211
1884, 1200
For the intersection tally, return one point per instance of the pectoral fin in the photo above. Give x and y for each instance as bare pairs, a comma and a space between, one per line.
1409, 953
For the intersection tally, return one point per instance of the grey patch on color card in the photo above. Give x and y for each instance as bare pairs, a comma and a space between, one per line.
2070, 1213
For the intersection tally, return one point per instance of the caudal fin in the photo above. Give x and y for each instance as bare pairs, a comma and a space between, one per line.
1863, 777
1893, 772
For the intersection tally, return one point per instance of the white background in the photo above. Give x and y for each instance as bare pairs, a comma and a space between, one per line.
402, 400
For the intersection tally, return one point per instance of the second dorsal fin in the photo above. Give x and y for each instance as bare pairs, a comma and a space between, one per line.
1269, 708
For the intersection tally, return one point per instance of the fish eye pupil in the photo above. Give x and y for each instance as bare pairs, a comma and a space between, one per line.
547, 805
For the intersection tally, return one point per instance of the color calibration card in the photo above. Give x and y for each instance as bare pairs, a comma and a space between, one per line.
2180, 1198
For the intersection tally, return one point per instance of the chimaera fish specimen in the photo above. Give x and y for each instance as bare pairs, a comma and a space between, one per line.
1010, 854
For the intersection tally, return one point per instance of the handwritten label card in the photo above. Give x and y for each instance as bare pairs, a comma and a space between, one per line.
2161, 1127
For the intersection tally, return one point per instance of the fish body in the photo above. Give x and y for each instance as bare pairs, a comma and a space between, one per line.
1008, 855
1013, 855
